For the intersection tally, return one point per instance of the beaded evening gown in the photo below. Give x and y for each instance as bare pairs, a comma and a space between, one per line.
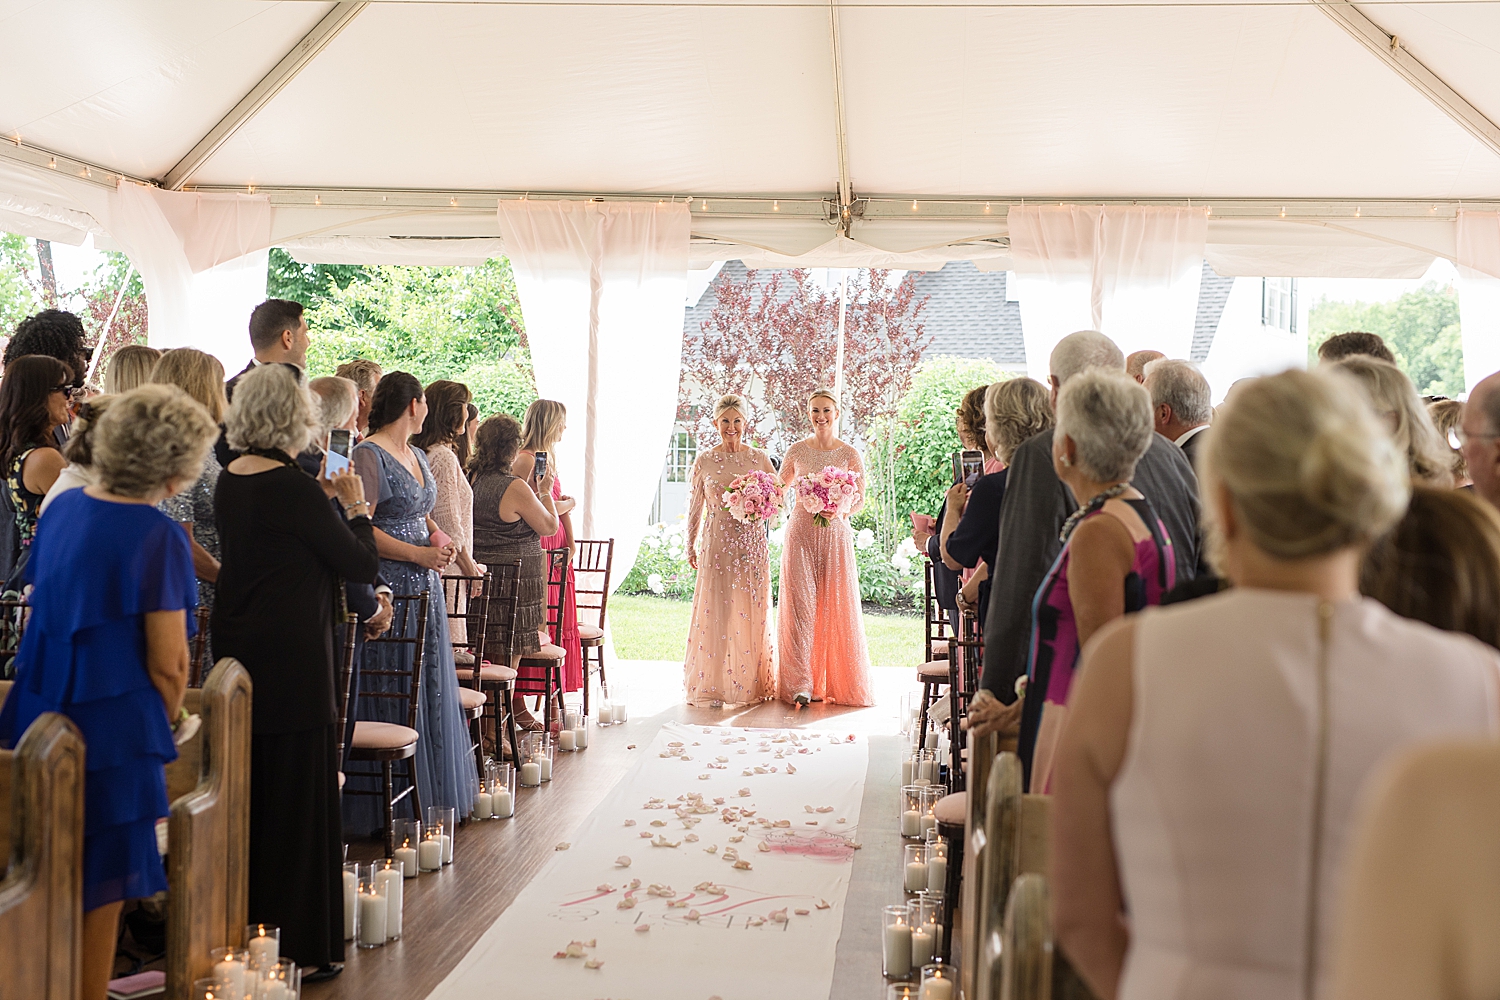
730, 657
820, 634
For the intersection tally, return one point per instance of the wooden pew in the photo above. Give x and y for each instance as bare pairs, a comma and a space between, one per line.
208, 832
41, 896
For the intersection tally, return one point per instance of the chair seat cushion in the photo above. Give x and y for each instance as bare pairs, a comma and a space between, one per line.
590, 632
940, 649
471, 699
547, 653
933, 670
492, 672
953, 809
382, 735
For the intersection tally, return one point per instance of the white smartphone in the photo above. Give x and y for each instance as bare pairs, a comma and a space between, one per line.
338, 451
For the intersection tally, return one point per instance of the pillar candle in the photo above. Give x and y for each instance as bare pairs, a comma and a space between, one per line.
911, 823
581, 735
503, 808
921, 945
531, 773
916, 876
936, 989
906, 771
388, 881
264, 951
606, 714
447, 849
620, 712
431, 855
928, 771
544, 768
897, 950
372, 916
937, 872
351, 905
274, 990
566, 740
570, 719
937, 937
932, 741
406, 857
232, 975
929, 822
484, 805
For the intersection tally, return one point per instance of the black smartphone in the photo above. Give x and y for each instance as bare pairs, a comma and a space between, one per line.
539, 471
338, 450
968, 466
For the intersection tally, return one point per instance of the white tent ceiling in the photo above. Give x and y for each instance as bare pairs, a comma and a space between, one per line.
363, 121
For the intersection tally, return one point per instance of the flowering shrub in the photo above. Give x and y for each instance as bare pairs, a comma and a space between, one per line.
661, 567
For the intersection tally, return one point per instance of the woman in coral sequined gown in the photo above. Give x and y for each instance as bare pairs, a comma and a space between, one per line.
730, 658
820, 634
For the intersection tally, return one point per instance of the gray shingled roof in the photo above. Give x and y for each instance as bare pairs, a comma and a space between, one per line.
1213, 293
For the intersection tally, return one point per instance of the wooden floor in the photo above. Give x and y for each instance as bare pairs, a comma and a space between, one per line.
446, 912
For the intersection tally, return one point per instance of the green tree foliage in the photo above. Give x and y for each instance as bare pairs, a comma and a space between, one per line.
307, 283
1421, 328
18, 296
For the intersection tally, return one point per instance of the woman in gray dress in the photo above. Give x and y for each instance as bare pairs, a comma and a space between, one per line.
510, 520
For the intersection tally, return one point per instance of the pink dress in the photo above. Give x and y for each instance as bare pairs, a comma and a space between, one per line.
573, 665
730, 655
820, 634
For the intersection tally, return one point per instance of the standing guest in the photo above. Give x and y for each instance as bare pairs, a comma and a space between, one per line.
820, 633
442, 437
1014, 410
399, 481
1395, 401
52, 333
33, 404
1252, 718
107, 646
1181, 403
278, 335
510, 519
471, 428
1116, 558
1447, 415
366, 375
1478, 434
285, 550
1355, 343
337, 400
969, 421
1136, 364
541, 430
201, 376
1036, 506
730, 658
130, 367
79, 451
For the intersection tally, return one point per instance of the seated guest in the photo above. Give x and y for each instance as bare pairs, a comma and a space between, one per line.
400, 484
34, 399
1252, 718
1395, 400
130, 367
1116, 556
1031, 518
1355, 343
107, 645
79, 451
365, 374
1447, 415
1440, 564
1181, 403
1421, 905
1014, 410
284, 551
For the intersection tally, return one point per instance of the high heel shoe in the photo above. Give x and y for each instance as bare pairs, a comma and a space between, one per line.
801, 699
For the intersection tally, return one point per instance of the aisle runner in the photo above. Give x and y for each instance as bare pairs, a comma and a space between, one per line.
697, 924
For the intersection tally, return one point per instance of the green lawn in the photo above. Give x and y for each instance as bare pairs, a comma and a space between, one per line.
655, 628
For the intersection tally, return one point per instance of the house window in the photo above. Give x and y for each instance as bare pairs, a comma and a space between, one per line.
1278, 303
681, 454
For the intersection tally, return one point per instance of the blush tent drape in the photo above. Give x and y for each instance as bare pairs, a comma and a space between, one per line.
1129, 271
602, 290
1479, 293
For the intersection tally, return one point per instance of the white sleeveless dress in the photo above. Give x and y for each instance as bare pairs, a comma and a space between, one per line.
1213, 809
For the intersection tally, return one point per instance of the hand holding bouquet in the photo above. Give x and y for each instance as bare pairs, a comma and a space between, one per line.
827, 494
753, 498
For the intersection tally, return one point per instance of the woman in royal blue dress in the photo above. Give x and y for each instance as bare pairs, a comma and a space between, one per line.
107, 644
399, 483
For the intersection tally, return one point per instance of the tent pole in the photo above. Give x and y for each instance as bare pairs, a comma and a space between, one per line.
838, 359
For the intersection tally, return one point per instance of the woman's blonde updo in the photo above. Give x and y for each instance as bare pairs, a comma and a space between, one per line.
729, 401
823, 394
1308, 467
1394, 398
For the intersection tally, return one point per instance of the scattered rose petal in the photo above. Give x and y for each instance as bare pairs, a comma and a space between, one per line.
704, 777
711, 848
719, 801
744, 793
604, 887
823, 904
646, 834
630, 822
743, 866
808, 808
635, 884
778, 916
791, 769
737, 838
593, 963
628, 903
765, 848
691, 838
559, 954
630, 746
562, 846
642, 928
811, 822
825, 809
658, 822
591, 943
801, 912
622, 861
575, 949
842, 820
693, 914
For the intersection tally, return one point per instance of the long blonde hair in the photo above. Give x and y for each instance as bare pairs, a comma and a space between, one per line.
129, 367
543, 425
198, 374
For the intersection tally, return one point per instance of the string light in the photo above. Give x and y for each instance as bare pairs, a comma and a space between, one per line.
1283, 211
986, 208
453, 202
317, 199
52, 163
914, 204
775, 206
705, 205
1356, 211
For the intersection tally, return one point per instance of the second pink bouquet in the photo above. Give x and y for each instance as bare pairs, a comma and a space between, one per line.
827, 494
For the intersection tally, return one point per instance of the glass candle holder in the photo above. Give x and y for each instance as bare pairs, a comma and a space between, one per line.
605, 710
407, 834
445, 822
937, 862
263, 943
923, 936
929, 910
212, 988
351, 900
895, 942
374, 910
503, 790
911, 811
531, 767
939, 982
570, 718
928, 799
282, 981
581, 732
932, 738
567, 740
430, 851
231, 968
914, 872
620, 695
484, 802
388, 876
542, 751
901, 991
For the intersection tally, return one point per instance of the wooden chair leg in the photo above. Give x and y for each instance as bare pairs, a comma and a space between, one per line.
390, 810
416, 796
603, 683
586, 684
476, 733
951, 888
510, 724
927, 694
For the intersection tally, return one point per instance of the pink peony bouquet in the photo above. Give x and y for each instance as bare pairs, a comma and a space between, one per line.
829, 493
752, 498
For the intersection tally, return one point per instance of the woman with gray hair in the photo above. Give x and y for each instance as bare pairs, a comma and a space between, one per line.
1116, 556
285, 550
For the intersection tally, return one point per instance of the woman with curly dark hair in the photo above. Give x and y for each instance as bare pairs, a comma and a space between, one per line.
442, 437
34, 399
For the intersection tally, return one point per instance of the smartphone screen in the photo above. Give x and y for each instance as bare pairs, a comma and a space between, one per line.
539, 471
973, 463
338, 451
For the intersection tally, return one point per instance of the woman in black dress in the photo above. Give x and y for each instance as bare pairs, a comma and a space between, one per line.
285, 551
34, 399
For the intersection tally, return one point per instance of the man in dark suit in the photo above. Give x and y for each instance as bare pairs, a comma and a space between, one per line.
1181, 402
278, 335
1032, 513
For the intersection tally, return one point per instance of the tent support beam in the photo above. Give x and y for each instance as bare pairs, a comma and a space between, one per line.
1389, 50
841, 136
304, 52
47, 161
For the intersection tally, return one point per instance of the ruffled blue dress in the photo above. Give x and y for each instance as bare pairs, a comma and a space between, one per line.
446, 776
98, 569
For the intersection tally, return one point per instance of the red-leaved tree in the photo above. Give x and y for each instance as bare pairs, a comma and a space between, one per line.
773, 338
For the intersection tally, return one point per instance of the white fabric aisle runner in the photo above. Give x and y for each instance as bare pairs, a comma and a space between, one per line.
812, 784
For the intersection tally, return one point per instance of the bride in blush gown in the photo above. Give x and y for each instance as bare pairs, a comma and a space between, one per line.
730, 658
820, 634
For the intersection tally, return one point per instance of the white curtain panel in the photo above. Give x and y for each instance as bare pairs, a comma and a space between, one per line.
1479, 292
602, 287
1138, 266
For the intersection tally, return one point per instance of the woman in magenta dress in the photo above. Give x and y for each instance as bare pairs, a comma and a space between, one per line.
820, 633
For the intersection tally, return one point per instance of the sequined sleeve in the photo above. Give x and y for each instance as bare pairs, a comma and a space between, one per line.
858, 466
695, 504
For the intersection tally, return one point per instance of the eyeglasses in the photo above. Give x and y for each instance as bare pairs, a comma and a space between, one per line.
66, 390
1458, 437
